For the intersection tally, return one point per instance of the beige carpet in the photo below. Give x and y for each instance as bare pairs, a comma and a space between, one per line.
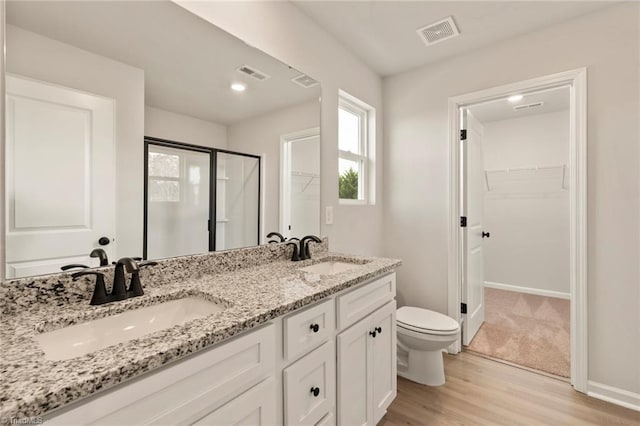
532, 331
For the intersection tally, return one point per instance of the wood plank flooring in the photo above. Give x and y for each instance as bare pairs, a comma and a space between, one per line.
480, 391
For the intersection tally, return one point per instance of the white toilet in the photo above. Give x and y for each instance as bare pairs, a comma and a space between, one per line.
422, 335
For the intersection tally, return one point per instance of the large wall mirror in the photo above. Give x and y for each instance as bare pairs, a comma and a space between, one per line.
137, 128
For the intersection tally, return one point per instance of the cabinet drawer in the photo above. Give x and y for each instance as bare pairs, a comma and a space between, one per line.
309, 387
306, 330
185, 391
255, 407
358, 303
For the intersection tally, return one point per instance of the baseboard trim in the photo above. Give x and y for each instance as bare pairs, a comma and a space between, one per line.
527, 290
613, 395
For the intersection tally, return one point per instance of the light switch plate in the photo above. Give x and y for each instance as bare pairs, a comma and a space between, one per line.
328, 215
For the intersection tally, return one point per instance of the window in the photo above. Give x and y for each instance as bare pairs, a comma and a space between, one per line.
354, 124
164, 177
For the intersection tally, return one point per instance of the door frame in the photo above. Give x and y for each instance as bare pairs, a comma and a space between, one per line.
285, 171
577, 81
187, 147
213, 161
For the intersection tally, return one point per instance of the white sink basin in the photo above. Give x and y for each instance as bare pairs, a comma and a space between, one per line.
330, 268
81, 339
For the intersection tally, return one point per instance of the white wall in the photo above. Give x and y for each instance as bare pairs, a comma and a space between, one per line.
162, 124
416, 166
283, 31
528, 219
42, 58
261, 135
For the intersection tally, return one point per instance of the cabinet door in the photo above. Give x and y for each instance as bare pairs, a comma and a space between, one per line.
255, 407
354, 383
384, 355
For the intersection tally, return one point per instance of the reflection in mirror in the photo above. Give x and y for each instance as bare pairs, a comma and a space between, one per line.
237, 201
89, 81
178, 194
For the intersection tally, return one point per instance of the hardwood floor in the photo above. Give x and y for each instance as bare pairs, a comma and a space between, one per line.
480, 391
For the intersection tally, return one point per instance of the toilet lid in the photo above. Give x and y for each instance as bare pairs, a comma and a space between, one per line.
425, 319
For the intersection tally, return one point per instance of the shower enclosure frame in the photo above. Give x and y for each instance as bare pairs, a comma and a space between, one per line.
213, 179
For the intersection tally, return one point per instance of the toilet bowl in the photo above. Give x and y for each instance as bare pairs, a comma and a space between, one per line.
422, 335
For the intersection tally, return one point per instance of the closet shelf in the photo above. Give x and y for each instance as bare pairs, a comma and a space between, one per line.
523, 180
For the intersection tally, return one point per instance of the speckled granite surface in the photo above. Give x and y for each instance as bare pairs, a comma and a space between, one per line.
256, 285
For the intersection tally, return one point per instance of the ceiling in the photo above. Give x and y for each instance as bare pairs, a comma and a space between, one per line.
383, 33
189, 64
501, 109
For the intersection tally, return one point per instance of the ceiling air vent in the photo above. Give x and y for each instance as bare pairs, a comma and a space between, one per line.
438, 31
304, 81
253, 73
528, 106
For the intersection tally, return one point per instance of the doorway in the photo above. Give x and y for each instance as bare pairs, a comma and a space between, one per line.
300, 183
516, 199
469, 181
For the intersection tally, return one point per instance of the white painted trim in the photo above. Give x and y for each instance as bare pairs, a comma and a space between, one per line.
527, 290
577, 81
2, 141
285, 172
614, 395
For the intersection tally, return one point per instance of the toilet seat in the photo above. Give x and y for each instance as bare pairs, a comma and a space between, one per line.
424, 321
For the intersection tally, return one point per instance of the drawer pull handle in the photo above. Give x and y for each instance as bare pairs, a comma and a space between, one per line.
379, 330
314, 327
373, 333
315, 391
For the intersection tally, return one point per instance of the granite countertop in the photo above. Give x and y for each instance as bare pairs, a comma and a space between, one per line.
31, 385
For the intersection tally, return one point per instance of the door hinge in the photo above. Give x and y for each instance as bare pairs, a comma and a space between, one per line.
463, 221
463, 308
463, 134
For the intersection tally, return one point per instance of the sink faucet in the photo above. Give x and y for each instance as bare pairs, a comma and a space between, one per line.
119, 290
304, 246
276, 234
100, 254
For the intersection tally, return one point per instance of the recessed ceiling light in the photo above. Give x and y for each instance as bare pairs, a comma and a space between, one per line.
238, 87
515, 98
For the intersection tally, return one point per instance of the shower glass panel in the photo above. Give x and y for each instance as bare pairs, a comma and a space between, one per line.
237, 200
178, 201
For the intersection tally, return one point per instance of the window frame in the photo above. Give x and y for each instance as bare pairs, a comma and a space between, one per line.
362, 157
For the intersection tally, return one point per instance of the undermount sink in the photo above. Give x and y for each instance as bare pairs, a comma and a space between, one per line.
81, 339
330, 268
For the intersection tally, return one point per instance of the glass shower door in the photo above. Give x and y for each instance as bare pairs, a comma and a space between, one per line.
237, 200
178, 201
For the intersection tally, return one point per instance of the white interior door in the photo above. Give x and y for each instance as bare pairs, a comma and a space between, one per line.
473, 194
178, 206
60, 182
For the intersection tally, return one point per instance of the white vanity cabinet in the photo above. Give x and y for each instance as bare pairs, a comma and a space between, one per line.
190, 390
318, 366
